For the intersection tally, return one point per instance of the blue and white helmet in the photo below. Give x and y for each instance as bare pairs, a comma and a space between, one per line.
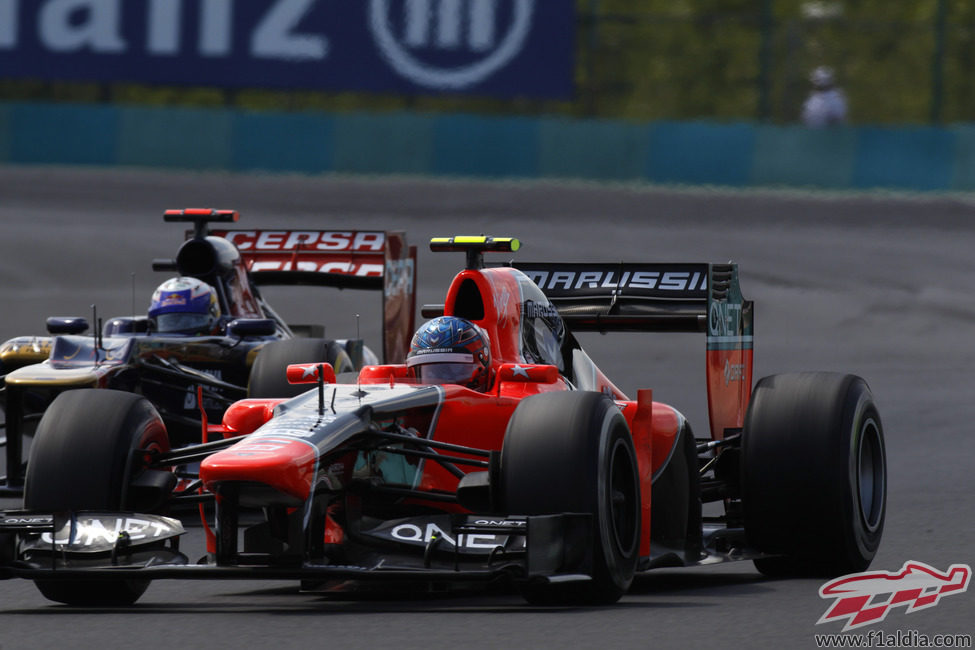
451, 350
184, 306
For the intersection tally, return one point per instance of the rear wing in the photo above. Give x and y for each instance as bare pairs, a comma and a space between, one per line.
664, 297
626, 297
365, 259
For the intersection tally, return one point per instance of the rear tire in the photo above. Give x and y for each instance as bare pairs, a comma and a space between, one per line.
268, 377
813, 474
85, 457
573, 452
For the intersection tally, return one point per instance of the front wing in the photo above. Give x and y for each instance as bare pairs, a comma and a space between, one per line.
99, 545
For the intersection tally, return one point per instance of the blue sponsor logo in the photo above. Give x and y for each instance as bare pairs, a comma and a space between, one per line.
493, 47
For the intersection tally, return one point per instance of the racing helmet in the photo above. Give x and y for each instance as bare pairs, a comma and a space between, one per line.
451, 350
184, 306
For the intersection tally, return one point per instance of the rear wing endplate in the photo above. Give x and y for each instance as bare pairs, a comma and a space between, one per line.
371, 260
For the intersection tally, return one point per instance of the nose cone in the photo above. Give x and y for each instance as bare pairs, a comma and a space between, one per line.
284, 464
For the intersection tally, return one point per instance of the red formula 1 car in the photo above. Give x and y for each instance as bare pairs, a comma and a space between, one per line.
543, 474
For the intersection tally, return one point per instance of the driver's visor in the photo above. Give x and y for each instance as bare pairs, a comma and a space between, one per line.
442, 367
182, 323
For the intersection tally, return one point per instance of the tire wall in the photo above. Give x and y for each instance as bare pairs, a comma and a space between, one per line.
727, 154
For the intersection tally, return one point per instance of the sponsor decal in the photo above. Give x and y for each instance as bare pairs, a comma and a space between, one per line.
470, 27
466, 355
328, 241
502, 298
321, 251
532, 309
421, 533
568, 280
733, 372
26, 345
173, 299
344, 268
22, 521
65, 26
866, 598
260, 447
295, 426
497, 47
99, 533
724, 318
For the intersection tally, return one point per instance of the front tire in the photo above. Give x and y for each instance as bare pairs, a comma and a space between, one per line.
85, 456
573, 452
814, 474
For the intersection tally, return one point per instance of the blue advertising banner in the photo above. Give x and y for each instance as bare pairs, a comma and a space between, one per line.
502, 48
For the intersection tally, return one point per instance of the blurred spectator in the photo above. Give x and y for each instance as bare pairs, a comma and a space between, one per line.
826, 104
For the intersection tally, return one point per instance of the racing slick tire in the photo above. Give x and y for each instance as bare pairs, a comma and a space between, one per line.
268, 377
84, 457
573, 452
814, 474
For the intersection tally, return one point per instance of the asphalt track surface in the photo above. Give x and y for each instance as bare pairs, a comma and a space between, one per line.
877, 285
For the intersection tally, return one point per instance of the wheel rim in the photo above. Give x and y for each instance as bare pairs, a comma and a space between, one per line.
871, 478
623, 505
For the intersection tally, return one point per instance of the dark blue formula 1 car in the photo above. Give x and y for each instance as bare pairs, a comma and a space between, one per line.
209, 336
